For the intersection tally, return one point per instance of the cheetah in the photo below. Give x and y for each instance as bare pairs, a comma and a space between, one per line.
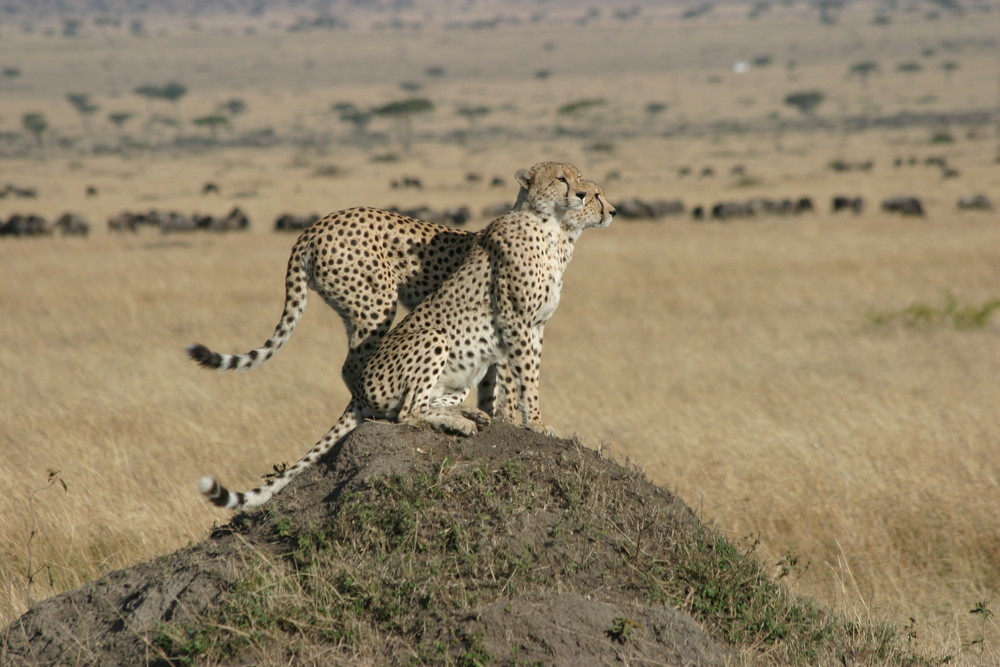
363, 262
490, 312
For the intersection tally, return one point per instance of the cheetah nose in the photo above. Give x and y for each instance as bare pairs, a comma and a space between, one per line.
614, 212
581, 195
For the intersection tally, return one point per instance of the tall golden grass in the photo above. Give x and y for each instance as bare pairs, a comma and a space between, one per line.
749, 366
738, 364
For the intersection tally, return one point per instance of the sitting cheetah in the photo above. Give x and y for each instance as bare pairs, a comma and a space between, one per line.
363, 262
492, 310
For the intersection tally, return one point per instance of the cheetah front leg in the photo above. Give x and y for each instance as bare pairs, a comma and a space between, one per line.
518, 393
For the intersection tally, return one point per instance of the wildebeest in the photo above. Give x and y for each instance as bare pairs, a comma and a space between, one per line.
841, 166
71, 224
15, 191
235, 221
210, 188
289, 222
406, 182
91, 191
26, 225
639, 209
845, 203
495, 210
974, 203
904, 205
728, 210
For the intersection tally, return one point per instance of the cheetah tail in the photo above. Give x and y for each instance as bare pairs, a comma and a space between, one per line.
296, 289
220, 496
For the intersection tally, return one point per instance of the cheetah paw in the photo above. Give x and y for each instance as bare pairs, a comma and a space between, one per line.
543, 428
478, 416
453, 424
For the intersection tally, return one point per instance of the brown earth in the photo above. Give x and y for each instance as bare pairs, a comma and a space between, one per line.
591, 614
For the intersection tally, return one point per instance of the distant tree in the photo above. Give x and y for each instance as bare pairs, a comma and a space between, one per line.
582, 111
36, 124
233, 107
757, 9
171, 92
213, 122
402, 113
543, 74
655, 108
71, 27
695, 12
909, 68
949, 67
472, 114
119, 118
358, 118
11, 72
763, 60
863, 70
805, 101
435, 71
580, 106
410, 86
81, 102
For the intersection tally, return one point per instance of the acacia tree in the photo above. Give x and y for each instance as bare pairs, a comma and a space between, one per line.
171, 92
119, 118
402, 113
863, 70
582, 111
81, 102
805, 101
949, 67
213, 122
36, 124
909, 68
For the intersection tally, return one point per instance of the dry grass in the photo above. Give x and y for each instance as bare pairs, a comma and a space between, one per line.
738, 363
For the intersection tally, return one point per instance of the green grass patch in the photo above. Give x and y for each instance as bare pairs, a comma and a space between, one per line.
949, 312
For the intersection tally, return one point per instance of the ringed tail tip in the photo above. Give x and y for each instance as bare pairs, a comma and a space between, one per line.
204, 356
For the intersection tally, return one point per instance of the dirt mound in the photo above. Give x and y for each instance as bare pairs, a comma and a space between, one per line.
411, 546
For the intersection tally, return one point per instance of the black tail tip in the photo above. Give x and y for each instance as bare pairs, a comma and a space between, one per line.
204, 356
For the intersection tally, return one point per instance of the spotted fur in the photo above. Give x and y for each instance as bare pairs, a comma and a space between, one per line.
489, 310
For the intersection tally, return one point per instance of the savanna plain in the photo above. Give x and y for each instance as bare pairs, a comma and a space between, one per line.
826, 385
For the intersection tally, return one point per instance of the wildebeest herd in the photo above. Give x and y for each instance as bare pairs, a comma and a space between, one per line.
635, 208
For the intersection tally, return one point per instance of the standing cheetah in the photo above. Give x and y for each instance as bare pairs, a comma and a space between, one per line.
490, 311
364, 261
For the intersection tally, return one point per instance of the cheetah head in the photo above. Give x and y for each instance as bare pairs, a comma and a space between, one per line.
550, 188
597, 211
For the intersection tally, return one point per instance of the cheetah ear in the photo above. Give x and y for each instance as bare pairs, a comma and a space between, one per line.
523, 177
